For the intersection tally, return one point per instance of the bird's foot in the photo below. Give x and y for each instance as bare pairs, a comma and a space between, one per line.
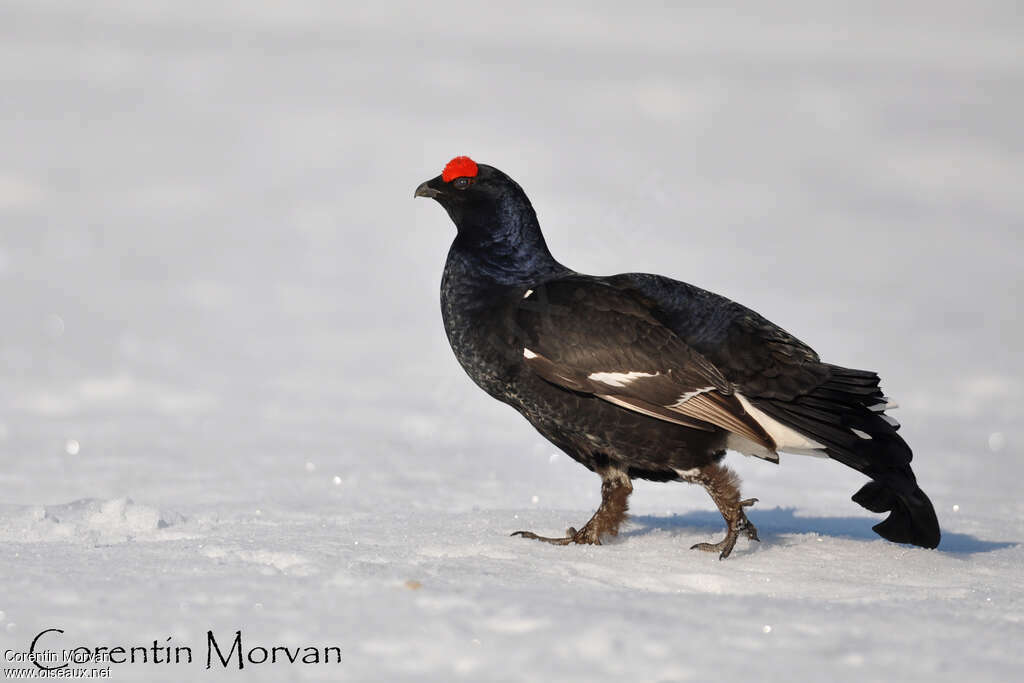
587, 535
615, 490
741, 525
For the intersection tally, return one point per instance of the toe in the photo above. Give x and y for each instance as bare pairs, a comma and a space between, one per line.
553, 541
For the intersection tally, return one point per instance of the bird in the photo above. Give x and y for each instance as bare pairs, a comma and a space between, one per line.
640, 376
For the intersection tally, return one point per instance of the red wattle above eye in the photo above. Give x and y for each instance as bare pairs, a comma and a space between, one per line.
459, 167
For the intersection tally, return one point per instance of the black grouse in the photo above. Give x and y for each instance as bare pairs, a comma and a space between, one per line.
641, 376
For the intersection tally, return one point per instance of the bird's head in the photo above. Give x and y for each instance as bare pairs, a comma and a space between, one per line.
480, 199
497, 225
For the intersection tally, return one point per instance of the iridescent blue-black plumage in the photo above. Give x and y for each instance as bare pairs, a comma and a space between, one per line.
642, 376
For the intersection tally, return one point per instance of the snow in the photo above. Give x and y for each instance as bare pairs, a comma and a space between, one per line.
227, 402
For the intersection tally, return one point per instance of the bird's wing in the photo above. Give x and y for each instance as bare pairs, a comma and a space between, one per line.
584, 335
757, 356
841, 410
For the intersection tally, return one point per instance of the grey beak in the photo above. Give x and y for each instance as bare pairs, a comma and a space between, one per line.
425, 190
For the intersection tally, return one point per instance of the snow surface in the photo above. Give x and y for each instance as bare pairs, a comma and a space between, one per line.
227, 402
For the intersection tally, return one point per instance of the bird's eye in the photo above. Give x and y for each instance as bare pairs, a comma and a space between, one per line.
462, 183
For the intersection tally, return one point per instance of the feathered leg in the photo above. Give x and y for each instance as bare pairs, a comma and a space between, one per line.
615, 490
722, 485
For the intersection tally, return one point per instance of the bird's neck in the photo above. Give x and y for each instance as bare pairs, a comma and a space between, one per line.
506, 248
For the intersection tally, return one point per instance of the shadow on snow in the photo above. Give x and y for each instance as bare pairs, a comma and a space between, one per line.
784, 521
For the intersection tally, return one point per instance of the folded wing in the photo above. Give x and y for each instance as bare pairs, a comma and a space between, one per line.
586, 336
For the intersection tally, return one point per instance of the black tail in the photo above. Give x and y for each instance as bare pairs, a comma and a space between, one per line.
911, 515
846, 415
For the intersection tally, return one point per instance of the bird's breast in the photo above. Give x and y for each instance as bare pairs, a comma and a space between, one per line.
477, 322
